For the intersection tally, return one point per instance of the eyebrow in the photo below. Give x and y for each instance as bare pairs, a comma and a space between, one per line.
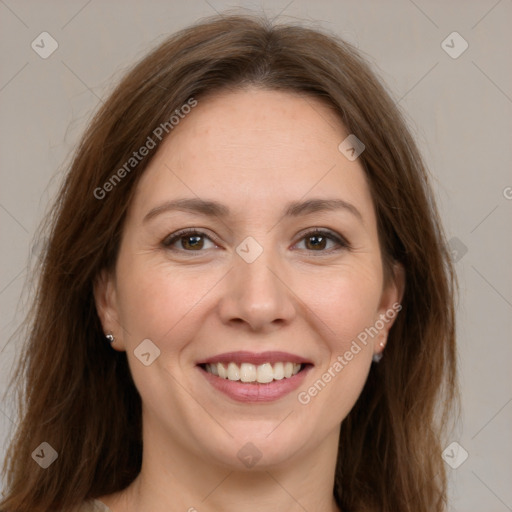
216, 209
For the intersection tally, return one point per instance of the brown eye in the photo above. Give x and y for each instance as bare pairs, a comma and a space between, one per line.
188, 240
315, 242
323, 241
192, 242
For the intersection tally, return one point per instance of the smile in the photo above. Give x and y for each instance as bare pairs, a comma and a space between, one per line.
250, 377
248, 372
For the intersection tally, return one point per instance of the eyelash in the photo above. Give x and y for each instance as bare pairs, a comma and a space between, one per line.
342, 242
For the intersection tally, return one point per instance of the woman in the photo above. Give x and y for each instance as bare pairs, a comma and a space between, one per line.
246, 301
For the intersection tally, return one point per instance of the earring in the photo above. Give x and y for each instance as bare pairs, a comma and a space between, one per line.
110, 338
377, 357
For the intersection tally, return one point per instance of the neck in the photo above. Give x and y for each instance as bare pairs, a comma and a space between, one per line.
173, 478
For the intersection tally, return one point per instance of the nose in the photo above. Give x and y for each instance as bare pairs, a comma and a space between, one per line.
256, 295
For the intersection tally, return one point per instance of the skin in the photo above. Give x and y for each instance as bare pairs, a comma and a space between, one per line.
254, 151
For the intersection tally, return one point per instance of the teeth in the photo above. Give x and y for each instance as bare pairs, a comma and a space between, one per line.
265, 373
220, 370
233, 372
278, 371
247, 372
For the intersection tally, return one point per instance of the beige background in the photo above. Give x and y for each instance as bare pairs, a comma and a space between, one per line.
459, 109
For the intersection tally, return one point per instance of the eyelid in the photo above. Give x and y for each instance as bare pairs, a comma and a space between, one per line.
172, 238
342, 242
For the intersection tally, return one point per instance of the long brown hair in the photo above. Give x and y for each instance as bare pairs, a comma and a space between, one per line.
77, 394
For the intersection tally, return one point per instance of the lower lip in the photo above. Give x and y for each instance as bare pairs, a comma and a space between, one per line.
255, 393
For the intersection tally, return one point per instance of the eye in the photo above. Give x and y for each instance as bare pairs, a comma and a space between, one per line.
188, 240
321, 240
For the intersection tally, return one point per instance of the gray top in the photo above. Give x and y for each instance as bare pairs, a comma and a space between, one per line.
93, 506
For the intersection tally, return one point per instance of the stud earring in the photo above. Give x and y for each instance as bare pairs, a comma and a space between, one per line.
377, 357
110, 338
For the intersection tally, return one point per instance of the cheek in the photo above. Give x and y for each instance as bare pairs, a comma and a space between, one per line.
346, 310
347, 304
155, 300
346, 300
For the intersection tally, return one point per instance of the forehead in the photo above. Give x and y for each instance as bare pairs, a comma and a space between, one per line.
254, 147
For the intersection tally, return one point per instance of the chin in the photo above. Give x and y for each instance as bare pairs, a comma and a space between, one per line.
258, 446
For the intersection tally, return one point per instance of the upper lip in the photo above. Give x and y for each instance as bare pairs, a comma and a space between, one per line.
255, 358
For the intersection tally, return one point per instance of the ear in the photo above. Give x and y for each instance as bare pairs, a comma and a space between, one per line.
390, 305
105, 298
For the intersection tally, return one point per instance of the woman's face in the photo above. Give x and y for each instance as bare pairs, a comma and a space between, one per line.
281, 265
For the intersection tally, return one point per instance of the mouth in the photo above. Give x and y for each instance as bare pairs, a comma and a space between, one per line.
254, 374
249, 377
